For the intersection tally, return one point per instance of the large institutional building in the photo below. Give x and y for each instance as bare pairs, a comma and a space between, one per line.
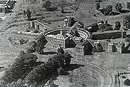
60, 40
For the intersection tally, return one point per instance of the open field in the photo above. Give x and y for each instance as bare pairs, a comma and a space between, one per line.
104, 65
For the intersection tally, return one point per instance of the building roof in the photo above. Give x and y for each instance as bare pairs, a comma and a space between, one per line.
83, 43
50, 35
58, 36
77, 38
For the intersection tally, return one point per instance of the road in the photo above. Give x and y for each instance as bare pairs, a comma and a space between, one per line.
7, 51
99, 76
106, 80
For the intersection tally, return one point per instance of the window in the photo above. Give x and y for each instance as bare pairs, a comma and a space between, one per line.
78, 50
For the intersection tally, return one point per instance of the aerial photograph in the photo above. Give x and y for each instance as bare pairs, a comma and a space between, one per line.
64, 43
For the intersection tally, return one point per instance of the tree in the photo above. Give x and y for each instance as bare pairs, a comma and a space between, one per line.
118, 7
62, 5
20, 67
60, 50
117, 25
126, 21
31, 47
41, 42
108, 9
97, 6
105, 27
75, 6
29, 14
98, 0
47, 5
67, 58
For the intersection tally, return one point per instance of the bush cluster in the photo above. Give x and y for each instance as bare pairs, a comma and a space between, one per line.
117, 25
107, 10
126, 21
97, 6
14, 72
118, 7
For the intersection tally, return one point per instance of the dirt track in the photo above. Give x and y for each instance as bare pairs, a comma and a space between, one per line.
7, 51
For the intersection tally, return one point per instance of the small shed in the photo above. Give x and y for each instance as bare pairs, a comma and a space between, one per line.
112, 47
98, 47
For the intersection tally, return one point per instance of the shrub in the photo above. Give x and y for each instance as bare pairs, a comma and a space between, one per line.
105, 27
108, 9
75, 6
31, 46
108, 28
126, 21
47, 5
67, 57
97, 6
60, 50
117, 25
29, 14
118, 7
62, 4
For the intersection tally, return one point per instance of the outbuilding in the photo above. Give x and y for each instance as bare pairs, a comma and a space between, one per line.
84, 48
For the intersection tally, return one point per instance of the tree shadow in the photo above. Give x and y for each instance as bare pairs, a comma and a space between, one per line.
126, 49
47, 53
1, 67
53, 9
66, 12
124, 11
71, 67
127, 82
33, 19
114, 13
100, 51
39, 63
53, 76
9, 11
